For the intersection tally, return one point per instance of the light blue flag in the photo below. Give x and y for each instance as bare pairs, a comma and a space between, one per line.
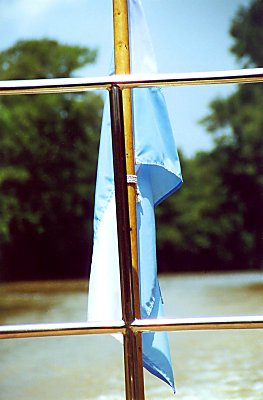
158, 172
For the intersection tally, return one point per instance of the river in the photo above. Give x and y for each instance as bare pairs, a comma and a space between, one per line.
212, 365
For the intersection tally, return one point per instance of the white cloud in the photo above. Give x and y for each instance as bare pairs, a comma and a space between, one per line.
21, 19
37, 7
29, 8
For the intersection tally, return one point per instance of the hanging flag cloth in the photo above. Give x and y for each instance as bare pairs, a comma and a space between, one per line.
158, 174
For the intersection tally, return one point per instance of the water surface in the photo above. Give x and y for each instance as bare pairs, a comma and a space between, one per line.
207, 365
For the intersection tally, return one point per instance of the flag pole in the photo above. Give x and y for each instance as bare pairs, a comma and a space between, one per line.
131, 308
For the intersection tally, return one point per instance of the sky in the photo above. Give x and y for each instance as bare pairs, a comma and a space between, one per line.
188, 36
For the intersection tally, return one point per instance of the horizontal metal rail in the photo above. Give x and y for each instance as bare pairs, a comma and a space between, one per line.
66, 85
197, 324
60, 329
146, 325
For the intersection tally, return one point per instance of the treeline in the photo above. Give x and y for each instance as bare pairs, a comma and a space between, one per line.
215, 221
48, 155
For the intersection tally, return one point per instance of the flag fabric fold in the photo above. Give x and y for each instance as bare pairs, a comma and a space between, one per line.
158, 173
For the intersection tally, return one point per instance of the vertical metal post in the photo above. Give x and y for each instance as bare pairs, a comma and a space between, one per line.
122, 210
132, 342
122, 66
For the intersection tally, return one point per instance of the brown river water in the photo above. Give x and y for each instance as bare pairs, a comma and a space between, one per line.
211, 365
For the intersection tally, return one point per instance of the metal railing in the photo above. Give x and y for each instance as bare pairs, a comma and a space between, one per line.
115, 84
62, 85
153, 325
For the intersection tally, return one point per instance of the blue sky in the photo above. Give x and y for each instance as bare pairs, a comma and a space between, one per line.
188, 35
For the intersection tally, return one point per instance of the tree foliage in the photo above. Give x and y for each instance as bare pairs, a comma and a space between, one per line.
217, 216
247, 31
48, 154
46, 58
47, 165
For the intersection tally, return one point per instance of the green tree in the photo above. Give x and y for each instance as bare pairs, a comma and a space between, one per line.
48, 159
36, 59
236, 124
247, 31
217, 217
191, 231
